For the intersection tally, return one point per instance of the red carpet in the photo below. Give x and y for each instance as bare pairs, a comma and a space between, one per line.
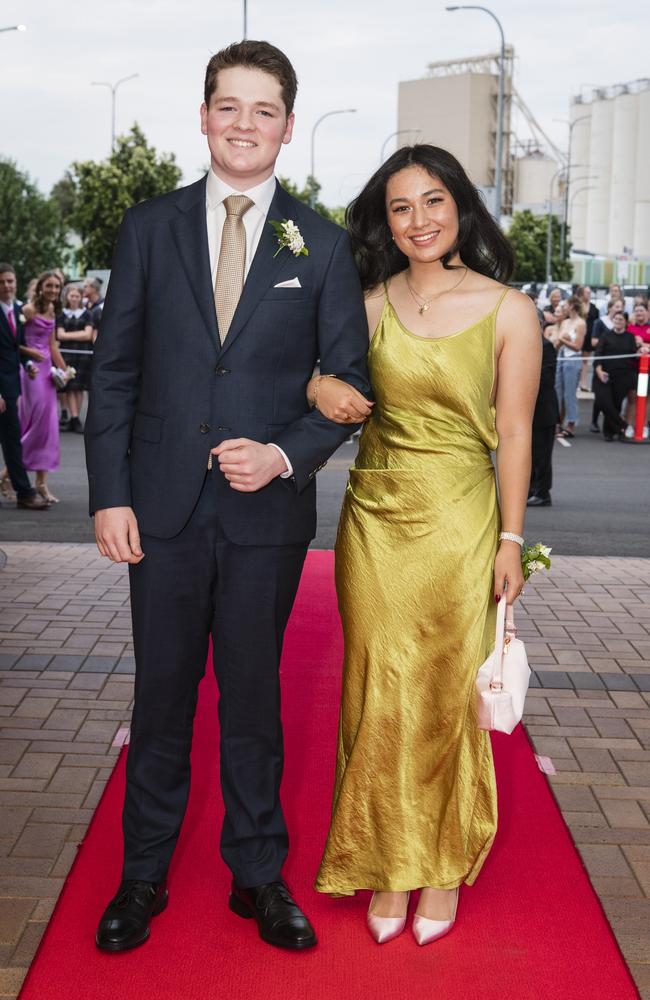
530, 929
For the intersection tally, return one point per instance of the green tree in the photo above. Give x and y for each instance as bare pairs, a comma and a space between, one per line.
103, 191
311, 190
528, 235
32, 235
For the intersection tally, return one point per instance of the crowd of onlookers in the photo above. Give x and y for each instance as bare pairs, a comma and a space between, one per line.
615, 339
584, 350
46, 344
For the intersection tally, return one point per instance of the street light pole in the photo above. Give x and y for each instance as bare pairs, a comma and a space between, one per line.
588, 187
312, 174
14, 27
549, 221
113, 89
245, 20
498, 174
400, 131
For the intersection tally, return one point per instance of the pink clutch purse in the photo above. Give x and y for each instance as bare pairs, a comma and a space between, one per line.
502, 681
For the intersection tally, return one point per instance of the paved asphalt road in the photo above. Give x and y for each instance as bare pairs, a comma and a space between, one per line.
601, 499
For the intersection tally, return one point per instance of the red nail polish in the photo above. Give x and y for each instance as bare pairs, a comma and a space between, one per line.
497, 598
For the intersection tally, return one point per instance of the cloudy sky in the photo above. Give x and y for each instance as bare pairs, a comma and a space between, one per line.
347, 53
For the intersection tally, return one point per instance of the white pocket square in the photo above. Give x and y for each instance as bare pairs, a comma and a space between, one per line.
292, 283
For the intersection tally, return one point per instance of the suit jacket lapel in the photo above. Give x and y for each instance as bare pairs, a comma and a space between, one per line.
190, 234
264, 267
6, 329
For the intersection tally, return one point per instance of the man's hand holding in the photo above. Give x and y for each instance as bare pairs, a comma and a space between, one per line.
248, 465
116, 532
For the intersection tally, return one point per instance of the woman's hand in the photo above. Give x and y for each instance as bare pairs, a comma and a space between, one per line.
508, 569
338, 401
602, 375
552, 333
32, 353
57, 357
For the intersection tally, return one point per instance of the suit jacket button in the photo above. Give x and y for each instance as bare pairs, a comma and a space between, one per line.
204, 428
220, 370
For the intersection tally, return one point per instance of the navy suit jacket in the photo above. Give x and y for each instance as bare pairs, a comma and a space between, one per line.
10, 357
164, 391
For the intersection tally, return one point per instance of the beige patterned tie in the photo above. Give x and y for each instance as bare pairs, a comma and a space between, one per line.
232, 261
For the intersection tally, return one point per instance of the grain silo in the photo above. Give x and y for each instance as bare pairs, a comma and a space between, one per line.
609, 198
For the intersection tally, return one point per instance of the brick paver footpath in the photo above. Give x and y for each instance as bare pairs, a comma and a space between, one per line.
66, 681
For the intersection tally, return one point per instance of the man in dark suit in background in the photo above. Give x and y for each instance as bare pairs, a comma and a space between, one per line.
92, 292
202, 454
545, 420
11, 338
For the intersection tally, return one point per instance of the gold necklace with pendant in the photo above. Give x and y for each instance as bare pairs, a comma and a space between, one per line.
422, 303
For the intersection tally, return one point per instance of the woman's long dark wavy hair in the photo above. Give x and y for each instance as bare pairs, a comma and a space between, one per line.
480, 243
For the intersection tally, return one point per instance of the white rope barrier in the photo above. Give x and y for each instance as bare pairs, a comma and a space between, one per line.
597, 357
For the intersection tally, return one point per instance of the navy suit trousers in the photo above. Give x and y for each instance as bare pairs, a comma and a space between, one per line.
12, 449
185, 589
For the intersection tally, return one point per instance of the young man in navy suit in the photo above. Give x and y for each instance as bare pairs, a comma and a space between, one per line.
11, 338
202, 454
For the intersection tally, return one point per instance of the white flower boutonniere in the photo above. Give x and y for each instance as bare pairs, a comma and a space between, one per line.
289, 236
21, 318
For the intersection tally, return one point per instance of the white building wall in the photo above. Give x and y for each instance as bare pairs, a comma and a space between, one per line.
455, 112
623, 172
532, 182
578, 196
600, 167
641, 232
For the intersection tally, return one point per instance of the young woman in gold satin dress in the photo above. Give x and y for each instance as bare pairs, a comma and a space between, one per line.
454, 362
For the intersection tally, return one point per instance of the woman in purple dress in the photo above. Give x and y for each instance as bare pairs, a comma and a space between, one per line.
39, 419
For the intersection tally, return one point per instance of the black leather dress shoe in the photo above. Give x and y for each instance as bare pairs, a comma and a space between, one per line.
32, 502
125, 923
279, 918
538, 502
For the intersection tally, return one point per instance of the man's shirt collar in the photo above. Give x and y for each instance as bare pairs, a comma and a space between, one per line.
261, 194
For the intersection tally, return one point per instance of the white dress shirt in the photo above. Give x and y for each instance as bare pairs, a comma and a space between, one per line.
254, 221
7, 307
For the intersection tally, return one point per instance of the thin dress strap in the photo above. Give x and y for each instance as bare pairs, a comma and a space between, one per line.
500, 300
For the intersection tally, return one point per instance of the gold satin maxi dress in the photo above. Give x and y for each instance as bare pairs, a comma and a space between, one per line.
415, 793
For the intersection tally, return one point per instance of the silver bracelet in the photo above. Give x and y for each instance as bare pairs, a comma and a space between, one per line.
509, 536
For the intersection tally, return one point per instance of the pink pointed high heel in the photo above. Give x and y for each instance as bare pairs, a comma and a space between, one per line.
384, 929
426, 930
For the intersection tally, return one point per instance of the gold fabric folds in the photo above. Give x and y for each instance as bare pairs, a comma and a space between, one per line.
415, 794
